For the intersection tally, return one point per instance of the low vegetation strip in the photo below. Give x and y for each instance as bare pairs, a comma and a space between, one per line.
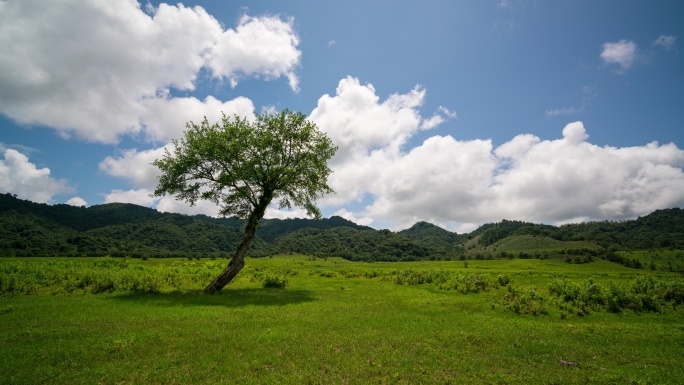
107, 275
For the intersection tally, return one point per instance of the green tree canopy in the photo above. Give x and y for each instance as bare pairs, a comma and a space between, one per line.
242, 166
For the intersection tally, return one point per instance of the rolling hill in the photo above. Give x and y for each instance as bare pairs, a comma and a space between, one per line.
119, 229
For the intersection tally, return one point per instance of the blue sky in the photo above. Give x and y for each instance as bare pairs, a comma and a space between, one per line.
453, 112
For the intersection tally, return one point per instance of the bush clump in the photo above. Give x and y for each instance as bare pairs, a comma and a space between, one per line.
469, 283
274, 280
644, 294
527, 301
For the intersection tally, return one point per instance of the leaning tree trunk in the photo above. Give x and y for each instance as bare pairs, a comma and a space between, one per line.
238, 262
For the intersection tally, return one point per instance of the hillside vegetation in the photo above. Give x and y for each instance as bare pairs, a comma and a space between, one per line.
118, 229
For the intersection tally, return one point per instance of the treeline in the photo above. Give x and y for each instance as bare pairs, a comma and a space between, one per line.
662, 229
33, 229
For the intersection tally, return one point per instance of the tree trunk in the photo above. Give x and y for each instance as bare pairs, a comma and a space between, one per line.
238, 262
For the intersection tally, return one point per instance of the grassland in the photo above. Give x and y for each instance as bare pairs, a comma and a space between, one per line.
335, 322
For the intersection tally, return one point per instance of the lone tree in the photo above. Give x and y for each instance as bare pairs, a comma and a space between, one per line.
242, 166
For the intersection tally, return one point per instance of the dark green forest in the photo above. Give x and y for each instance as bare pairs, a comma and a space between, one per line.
119, 230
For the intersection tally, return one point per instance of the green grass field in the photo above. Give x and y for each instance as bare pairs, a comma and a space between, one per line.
88, 321
667, 260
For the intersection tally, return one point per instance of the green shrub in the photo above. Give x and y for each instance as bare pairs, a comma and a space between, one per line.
565, 289
503, 279
468, 283
525, 302
275, 280
327, 274
673, 291
103, 283
645, 294
416, 277
617, 298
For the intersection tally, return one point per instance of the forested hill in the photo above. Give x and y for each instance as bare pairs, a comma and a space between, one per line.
118, 229
36, 229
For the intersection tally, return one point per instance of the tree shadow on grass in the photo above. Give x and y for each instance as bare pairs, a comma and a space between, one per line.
227, 297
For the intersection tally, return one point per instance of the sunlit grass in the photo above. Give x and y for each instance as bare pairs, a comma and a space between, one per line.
530, 243
325, 328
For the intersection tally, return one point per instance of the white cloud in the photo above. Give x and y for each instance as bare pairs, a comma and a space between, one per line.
274, 212
356, 122
432, 122
371, 161
21, 177
344, 213
143, 197
165, 118
171, 205
560, 180
516, 147
667, 42
136, 166
139, 197
448, 113
77, 201
454, 183
442, 115
561, 111
575, 133
457, 184
67, 64
439, 181
264, 46
623, 53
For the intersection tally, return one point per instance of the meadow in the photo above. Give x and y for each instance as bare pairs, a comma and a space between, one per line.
298, 319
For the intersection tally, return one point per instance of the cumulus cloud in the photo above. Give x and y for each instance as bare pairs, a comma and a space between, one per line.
365, 128
265, 46
273, 212
458, 183
348, 215
371, 161
165, 118
171, 205
446, 181
139, 197
136, 166
623, 53
143, 197
356, 121
21, 177
77, 201
560, 180
68, 64
438, 181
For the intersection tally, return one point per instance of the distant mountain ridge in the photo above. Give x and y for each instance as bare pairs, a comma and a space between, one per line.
120, 229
